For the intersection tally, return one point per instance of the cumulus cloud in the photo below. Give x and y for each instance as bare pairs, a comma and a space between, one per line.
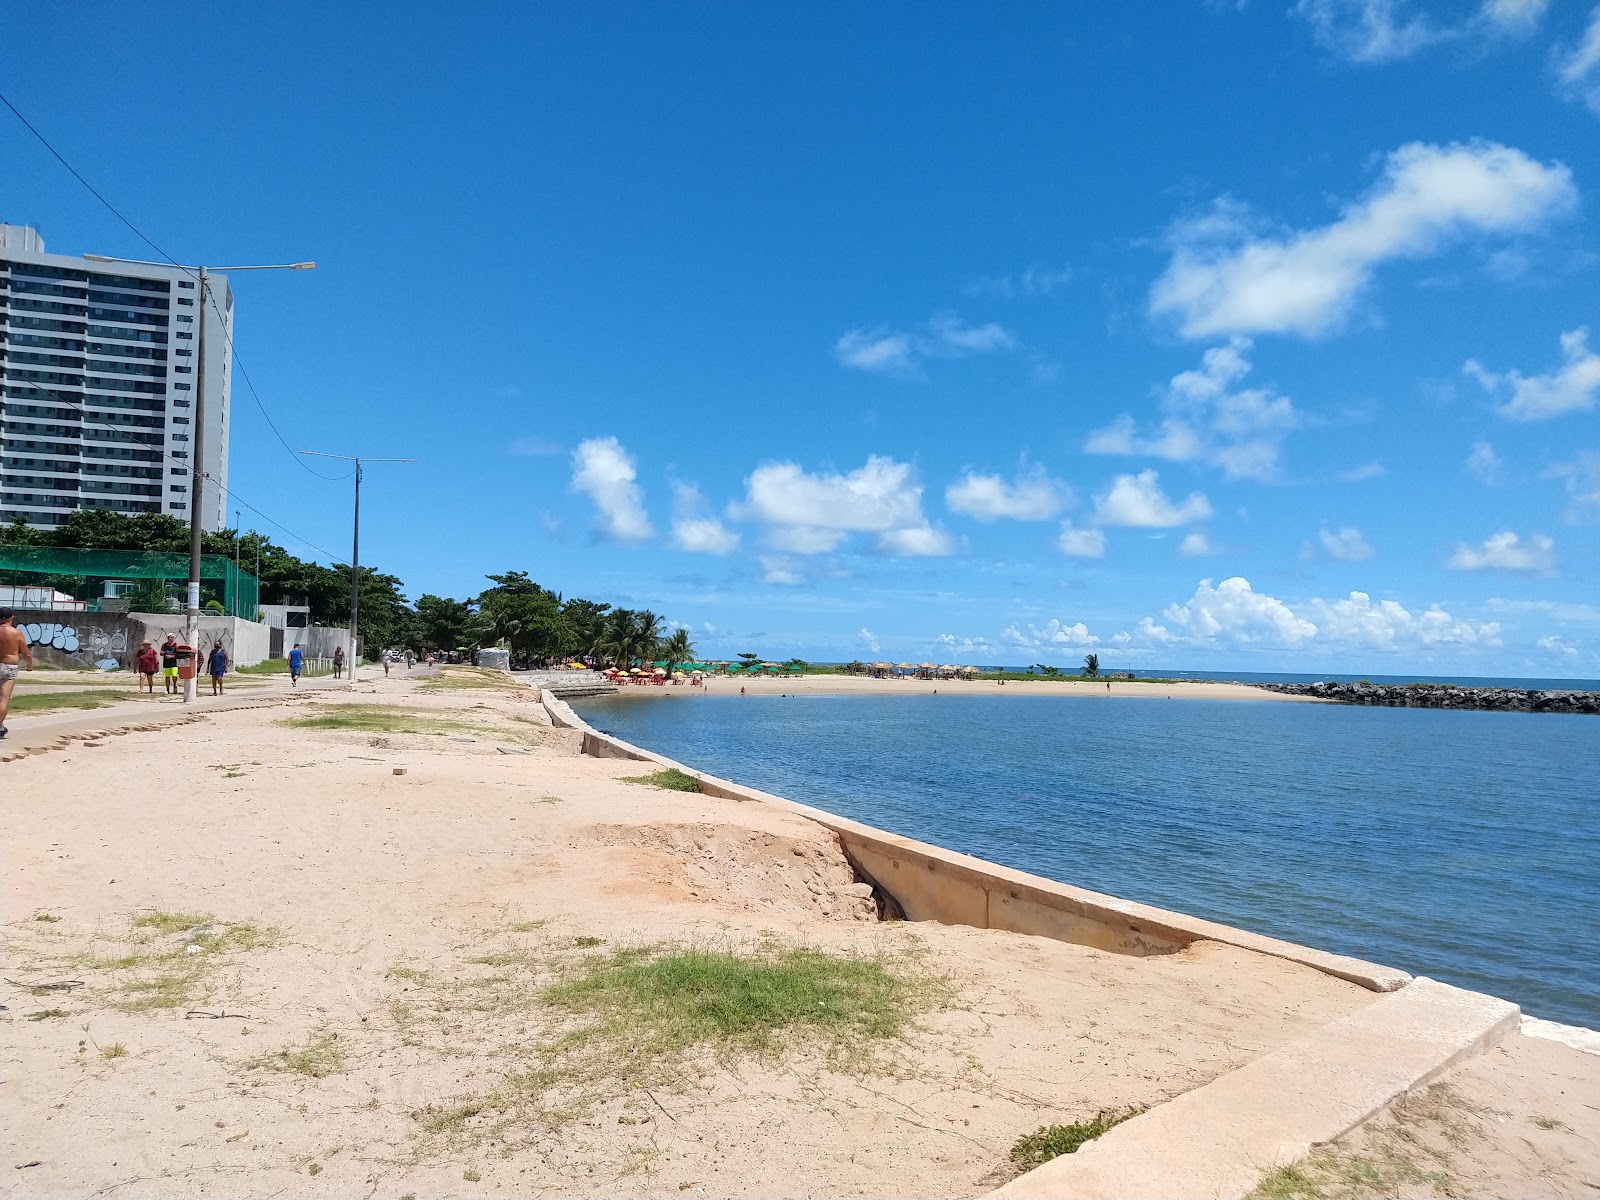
868, 639
779, 570
964, 647
1571, 387
1204, 417
1195, 545
1054, 634
1081, 543
1579, 68
1552, 644
1483, 464
1378, 31
604, 471
695, 530
1581, 478
1505, 551
892, 352
1234, 614
1031, 496
1138, 501
814, 513
1346, 545
1226, 277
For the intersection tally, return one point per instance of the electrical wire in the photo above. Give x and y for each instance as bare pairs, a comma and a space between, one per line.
256, 396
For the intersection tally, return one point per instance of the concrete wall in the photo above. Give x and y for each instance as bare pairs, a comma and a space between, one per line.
930, 883
109, 641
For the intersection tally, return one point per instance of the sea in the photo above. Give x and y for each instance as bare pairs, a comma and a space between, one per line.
1460, 845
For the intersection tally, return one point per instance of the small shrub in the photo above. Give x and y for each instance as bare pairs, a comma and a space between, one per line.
587, 941
115, 1050
671, 779
322, 1055
1052, 1141
46, 917
471, 1176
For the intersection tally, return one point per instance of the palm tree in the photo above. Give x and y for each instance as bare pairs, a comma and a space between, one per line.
677, 649
1091, 665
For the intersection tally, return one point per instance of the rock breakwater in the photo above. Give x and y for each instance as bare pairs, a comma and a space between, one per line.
1445, 695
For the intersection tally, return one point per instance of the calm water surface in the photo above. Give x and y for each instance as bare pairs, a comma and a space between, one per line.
1461, 845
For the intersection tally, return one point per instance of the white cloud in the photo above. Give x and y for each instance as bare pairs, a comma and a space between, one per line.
534, 446
945, 335
1032, 496
1579, 70
1581, 478
1377, 31
779, 570
1571, 387
814, 514
1233, 614
1204, 418
1559, 610
922, 541
1053, 635
604, 471
1483, 464
868, 639
1195, 545
1557, 645
1138, 501
1081, 543
1505, 551
965, 647
1224, 278
1387, 625
1346, 545
693, 529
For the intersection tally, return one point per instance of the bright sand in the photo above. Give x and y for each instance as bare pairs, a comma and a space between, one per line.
384, 888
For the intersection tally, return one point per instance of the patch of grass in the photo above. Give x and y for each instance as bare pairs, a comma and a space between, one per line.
1552, 1123
48, 1014
527, 926
280, 666
1052, 1141
167, 922
471, 1176
587, 941
457, 679
314, 1169
114, 1050
319, 1057
388, 718
1289, 1183
30, 702
665, 1001
51, 918
672, 779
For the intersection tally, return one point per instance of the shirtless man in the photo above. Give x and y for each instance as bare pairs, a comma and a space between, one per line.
13, 648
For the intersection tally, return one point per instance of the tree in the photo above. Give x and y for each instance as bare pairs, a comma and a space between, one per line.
749, 661
1045, 669
854, 667
1091, 665
677, 649
587, 620
442, 623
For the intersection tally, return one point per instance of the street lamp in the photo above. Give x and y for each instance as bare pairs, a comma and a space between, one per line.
355, 544
197, 446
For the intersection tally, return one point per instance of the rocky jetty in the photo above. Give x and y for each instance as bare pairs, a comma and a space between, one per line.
1444, 695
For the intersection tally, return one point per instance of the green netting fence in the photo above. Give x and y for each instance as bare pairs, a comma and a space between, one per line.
149, 580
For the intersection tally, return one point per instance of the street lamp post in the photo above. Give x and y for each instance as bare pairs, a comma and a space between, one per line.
197, 446
355, 546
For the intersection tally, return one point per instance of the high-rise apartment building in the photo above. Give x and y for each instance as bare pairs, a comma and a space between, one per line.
98, 375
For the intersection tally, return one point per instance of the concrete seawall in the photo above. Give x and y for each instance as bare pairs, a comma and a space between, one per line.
923, 882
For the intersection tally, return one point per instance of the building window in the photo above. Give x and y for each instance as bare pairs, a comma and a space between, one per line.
180, 420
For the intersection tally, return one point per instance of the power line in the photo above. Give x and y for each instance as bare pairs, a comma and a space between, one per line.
288, 449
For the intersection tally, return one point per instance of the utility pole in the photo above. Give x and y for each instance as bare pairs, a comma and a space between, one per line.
197, 447
355, 549
236, 516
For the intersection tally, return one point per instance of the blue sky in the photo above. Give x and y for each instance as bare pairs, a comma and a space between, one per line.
1215, 336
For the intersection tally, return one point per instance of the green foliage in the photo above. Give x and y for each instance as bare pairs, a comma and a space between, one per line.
677, 649
1091, 665
1052, 1141
1046, 669
444, 624
671, 779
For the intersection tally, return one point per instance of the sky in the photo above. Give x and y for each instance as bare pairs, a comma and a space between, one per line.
1210, 336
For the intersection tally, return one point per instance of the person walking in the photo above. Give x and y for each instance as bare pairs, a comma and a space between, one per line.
338, 662
147, 662
14, 651
217, 666
297, 660
388, 656
411, 660
169, 664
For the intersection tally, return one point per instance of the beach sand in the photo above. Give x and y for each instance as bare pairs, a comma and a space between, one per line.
393, 934
854, 685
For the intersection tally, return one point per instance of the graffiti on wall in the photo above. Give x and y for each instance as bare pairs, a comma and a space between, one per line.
91, 646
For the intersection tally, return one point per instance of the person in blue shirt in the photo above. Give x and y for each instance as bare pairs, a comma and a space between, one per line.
297, 660
217, 666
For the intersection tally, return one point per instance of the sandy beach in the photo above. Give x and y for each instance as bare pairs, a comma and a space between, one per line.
847, 685
365, 1007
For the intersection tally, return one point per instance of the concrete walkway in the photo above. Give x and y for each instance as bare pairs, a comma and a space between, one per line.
1220, 1140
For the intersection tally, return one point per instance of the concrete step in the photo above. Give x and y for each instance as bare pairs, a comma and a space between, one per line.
1220, 1140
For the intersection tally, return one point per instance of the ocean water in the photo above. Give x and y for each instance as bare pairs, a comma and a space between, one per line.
1460, 845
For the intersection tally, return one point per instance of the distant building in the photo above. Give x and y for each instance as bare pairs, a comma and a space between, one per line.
97, 386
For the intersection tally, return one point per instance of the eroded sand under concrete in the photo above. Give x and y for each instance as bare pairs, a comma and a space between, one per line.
385, 888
